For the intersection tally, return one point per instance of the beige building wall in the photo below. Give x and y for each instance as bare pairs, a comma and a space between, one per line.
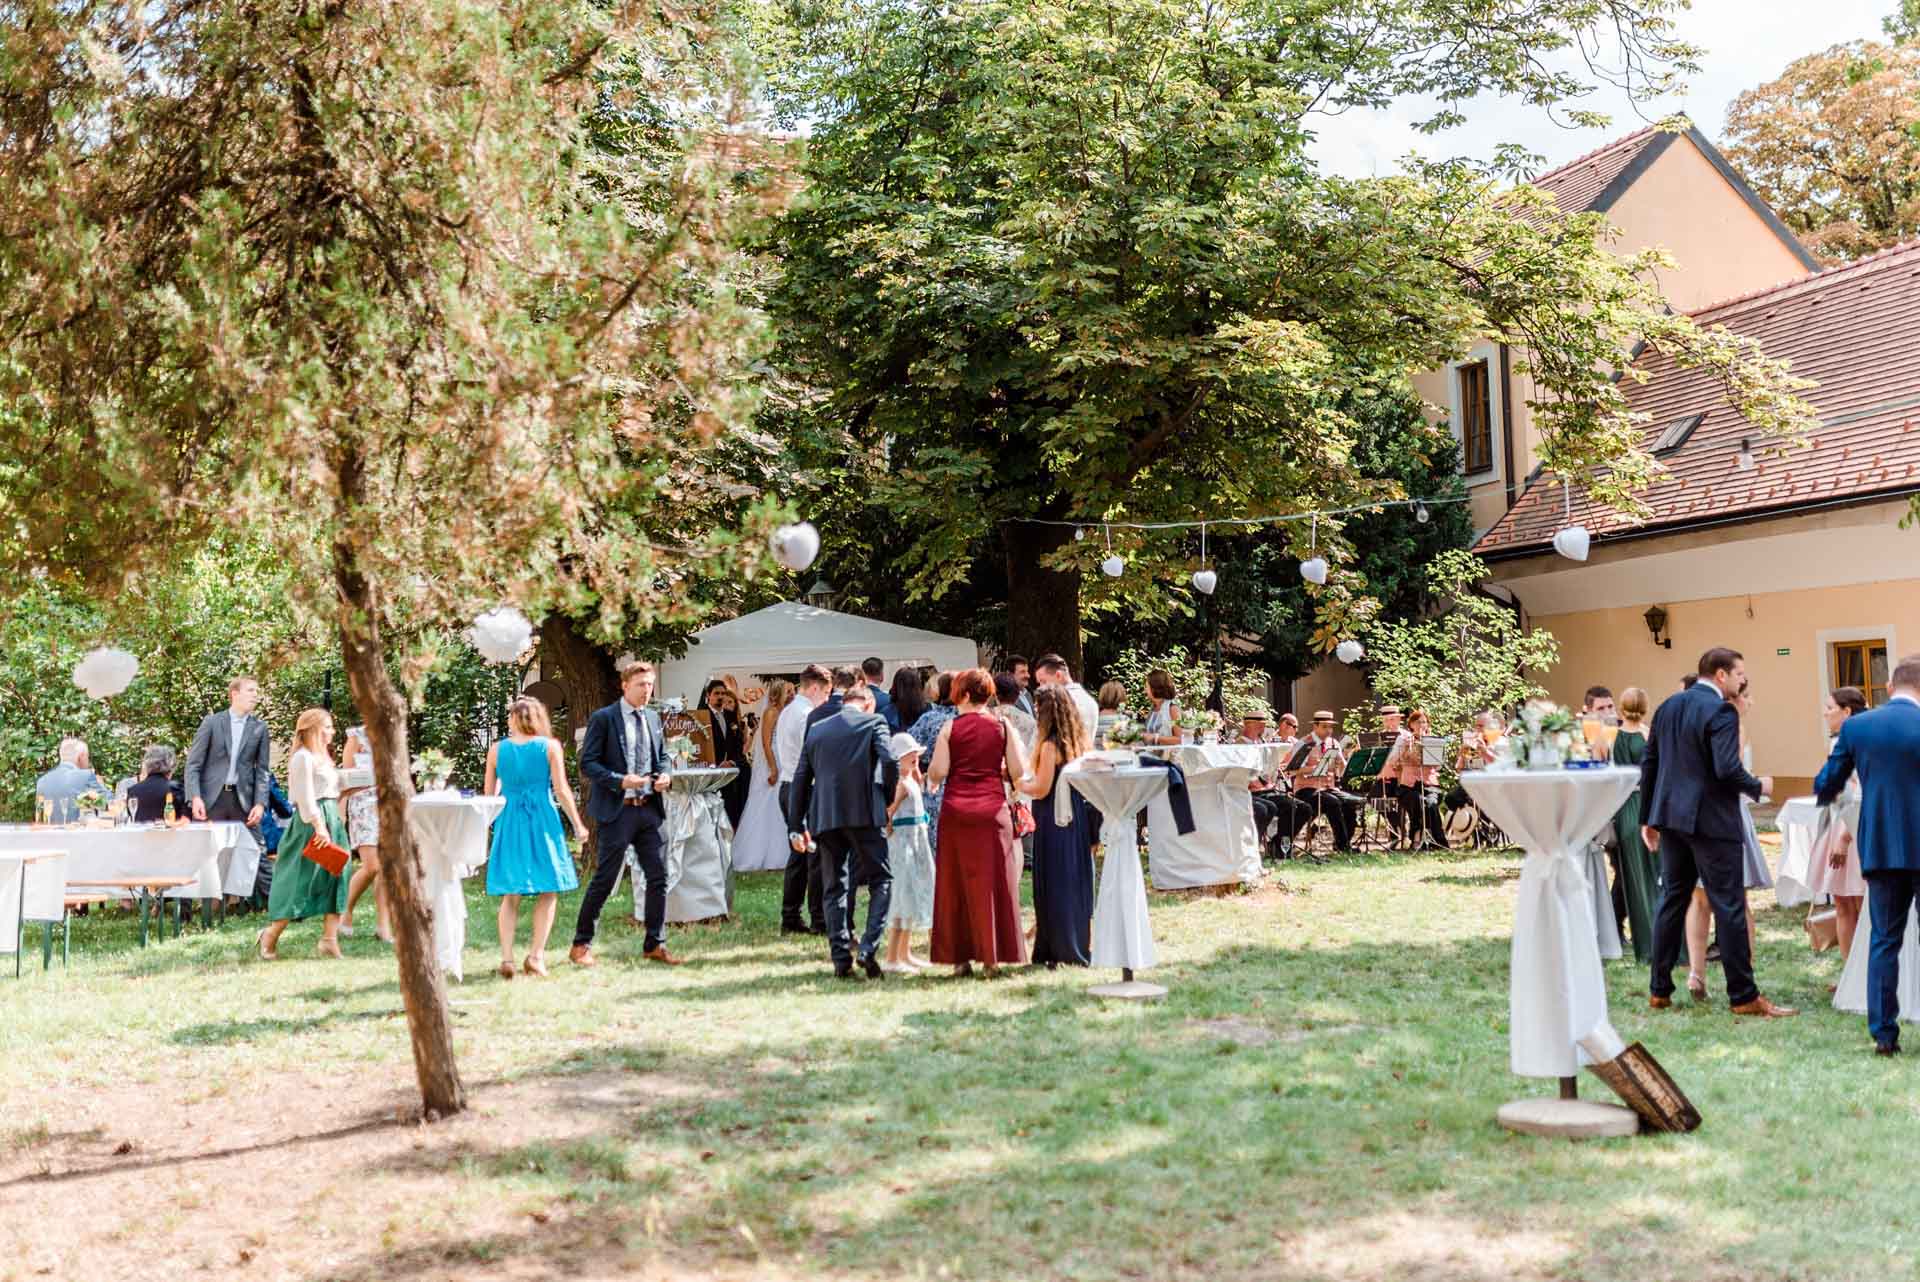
1612, 647
1334, 686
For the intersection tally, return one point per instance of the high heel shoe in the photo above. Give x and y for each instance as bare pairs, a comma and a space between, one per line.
328, 948
504, 970
1696, 988
533, 965
260, 946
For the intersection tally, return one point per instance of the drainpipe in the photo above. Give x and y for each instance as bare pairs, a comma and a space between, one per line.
1506, 419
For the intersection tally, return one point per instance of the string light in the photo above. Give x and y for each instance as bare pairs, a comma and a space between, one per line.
1376, 507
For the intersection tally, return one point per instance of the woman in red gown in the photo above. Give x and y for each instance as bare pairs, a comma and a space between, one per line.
976, 887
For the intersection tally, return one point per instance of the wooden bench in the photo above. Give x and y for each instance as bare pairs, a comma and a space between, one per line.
149, 890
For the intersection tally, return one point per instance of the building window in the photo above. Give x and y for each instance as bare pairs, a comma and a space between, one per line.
1675, 435
1476, 418
1862, 664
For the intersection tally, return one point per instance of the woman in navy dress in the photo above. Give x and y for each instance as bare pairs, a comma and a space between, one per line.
530, 854
1062, 856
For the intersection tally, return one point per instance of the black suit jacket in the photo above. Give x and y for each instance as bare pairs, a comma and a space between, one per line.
729, 739
149, 798
603, 760
846, 775
1692, 777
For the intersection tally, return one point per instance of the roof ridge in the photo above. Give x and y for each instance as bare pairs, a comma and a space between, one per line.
1816, 280
1595, 154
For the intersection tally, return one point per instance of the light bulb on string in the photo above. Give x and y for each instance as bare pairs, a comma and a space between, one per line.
1744, 459
1572, 541
1079, 534
1421, 514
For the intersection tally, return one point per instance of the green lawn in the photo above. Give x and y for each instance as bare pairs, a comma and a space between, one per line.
1314, 1099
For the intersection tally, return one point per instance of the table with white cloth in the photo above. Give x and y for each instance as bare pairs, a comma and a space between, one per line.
222, 858
1224, 846
1122, 934
452, 833
698, 847
33, 886
1798, 818
1557, 994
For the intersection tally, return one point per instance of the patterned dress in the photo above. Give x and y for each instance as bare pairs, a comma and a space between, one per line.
910, 854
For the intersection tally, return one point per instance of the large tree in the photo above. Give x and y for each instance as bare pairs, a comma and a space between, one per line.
1833, 144
352, 277
1062, 260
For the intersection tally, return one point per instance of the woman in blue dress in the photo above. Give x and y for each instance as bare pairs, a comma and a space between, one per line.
530, 854
1062, 856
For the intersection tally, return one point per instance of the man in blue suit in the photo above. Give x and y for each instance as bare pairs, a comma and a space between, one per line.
841, 788
1884, 746
1691, 781
874, 673
624, 757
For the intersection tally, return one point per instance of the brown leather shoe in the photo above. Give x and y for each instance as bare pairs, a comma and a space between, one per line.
662, 956
1764, 1009
580, 955
1659, 1003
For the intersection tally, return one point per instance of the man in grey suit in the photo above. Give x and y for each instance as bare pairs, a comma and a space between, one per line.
841, 787
61, 786
227, 768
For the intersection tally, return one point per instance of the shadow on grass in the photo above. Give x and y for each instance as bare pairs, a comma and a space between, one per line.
123, 1166
232, 1031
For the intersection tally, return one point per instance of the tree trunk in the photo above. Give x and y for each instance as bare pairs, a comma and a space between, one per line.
584, 672
1043, 605
423, 989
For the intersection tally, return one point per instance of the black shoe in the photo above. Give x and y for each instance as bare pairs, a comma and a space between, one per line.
816, 930
794, 928
872, 968
1886, 1048
843, 970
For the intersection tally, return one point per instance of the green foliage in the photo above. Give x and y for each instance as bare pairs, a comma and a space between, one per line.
1058, 260
1243, 688
1470, 656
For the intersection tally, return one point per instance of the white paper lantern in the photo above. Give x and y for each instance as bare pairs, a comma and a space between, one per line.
1314, 569
105, 672
1113, 567
1204, 582
795, 546
1572, 542
501, 635
1349, 651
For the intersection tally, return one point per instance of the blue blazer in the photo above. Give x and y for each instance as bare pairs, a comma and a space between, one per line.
1692, 776
845, 776
1884, 746
603, 760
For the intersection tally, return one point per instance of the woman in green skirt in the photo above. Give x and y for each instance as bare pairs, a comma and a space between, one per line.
1639, 867
301, 887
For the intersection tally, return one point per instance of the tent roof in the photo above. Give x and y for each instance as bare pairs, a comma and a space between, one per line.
792, 634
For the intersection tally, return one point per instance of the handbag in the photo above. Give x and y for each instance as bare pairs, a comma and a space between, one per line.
1823, 928
1023, 820
323, 851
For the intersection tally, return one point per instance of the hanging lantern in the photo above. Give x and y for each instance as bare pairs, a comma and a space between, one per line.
1314, 568
501, 635
1421, 514
105, 672
1349, 651
795, 546
1573, 542
1204, 579
1113, 567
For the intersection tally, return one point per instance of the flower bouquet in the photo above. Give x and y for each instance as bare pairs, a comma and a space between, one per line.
1545, 736
679, 750
1125, 733
1200, 724
432, 768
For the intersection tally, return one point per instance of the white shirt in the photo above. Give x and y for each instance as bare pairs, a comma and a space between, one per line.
639, 745
310, 779
790, 735
237, 724
1088, 707
1907, 697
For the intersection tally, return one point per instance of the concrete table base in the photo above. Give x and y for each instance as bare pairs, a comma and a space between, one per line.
1568, 1119
1132, 990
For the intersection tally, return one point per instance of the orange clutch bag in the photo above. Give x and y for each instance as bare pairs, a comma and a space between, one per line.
325, 853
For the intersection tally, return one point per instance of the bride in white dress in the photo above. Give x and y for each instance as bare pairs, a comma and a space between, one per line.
761, 843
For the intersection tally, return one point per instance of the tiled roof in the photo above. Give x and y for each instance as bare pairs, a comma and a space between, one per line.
1855, 331
1579, 184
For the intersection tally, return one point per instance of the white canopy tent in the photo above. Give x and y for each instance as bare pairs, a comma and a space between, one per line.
785, 638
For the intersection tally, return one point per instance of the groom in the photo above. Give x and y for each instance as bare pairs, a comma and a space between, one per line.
1884, 746
1690, 782
845, 778
624, 757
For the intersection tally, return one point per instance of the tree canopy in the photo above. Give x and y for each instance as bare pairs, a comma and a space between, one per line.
1069, 261
1833, 144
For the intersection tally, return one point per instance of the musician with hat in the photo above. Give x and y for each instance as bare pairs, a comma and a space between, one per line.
1316, 768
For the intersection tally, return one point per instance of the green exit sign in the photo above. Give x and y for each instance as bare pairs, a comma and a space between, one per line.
1784, 651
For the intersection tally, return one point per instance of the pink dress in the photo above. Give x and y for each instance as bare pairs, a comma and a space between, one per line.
1837, 819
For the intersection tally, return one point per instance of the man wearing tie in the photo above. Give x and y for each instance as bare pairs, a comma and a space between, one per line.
1884, 746
624, 757
226, 776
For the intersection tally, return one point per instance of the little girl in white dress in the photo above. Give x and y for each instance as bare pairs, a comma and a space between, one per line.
910, 855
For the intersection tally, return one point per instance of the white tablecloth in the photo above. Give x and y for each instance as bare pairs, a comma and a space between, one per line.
1797, 819
1557, 993
452, 834
1122, 934
1224, 846
222, 857
699, 847
1850, 994
33, 887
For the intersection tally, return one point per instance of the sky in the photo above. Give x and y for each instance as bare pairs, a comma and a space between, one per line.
1746, 43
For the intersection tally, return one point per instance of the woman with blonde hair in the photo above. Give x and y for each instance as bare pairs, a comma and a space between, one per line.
1639, 867
529, 855
301, 887
760, 843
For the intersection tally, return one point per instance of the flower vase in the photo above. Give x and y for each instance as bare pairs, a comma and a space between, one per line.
1544, 754
1186, 736
1211, 736
437, 783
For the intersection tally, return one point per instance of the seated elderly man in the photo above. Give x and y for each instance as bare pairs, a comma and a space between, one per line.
62, 785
